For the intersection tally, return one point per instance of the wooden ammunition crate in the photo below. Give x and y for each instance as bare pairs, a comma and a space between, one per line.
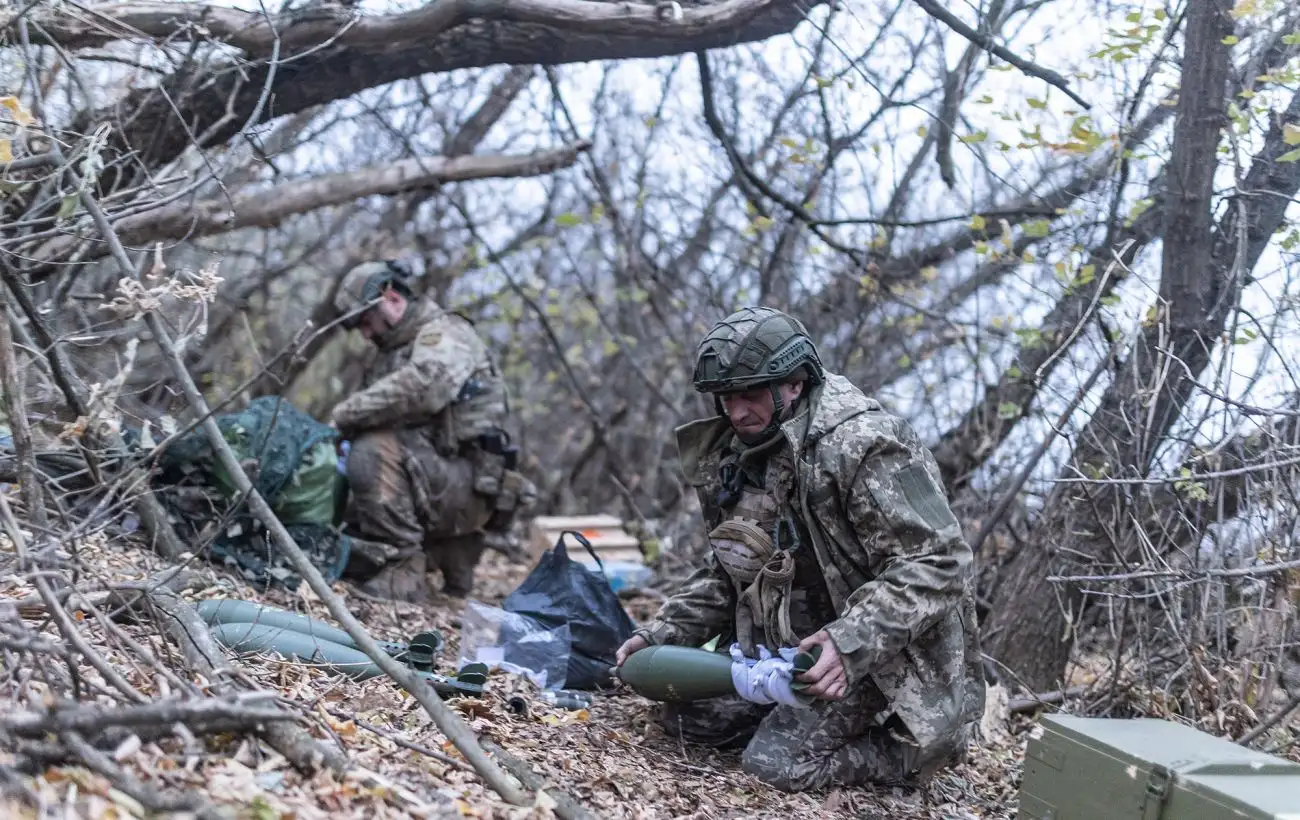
605, 533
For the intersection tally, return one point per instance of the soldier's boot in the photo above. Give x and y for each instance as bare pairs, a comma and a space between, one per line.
498, 534
506, 543
404, 579
458, 558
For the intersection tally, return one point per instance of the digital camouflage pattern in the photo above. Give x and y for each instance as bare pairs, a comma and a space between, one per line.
852, 740
424, 361
422, 491
867, 494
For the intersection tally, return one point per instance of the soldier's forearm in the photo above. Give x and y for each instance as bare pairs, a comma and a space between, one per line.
404, 398
906, 600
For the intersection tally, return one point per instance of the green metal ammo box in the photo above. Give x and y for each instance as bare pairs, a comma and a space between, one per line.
1145, 769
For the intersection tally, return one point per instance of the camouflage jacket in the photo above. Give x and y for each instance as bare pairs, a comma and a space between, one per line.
425, 362
893, 556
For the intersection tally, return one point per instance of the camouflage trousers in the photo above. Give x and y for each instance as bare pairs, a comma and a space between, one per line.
412, 510
850, 742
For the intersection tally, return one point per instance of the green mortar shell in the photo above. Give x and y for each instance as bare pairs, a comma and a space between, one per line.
297, 646
680, 674
677, 674
331, 656
216, 611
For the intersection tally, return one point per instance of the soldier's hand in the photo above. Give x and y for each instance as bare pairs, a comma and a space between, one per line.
827, 676
632, 644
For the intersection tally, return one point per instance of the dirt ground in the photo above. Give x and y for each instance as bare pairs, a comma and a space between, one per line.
613, 757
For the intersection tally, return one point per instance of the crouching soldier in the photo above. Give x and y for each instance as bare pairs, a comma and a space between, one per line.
430, 467
828, 529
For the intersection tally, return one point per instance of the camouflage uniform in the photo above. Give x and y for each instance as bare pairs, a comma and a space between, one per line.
858, 540
425, 488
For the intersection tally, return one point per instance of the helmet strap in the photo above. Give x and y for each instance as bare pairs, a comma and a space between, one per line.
778, 410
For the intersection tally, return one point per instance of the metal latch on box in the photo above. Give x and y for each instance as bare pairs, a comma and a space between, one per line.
1158, 780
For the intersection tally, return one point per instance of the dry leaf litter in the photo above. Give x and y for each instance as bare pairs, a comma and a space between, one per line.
613, 757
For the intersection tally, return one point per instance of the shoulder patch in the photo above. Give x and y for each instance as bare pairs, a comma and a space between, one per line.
923, 496
431, 334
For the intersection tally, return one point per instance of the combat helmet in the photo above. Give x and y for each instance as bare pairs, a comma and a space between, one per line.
752, 347
365, 283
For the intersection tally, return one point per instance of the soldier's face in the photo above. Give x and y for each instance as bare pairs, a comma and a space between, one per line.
383, 316
750, 411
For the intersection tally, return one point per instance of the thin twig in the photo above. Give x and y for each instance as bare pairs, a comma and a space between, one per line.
447, 721
986, 42
1272, 721
1020, 705
403, 742
1184, 575
1004, 503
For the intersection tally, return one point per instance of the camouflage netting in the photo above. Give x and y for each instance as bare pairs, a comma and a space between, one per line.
291, 459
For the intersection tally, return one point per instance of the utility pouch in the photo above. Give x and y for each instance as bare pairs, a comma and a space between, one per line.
517, 492
489, 472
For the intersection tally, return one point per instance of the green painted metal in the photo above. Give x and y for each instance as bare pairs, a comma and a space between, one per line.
1148, 769
680, 674
216, 611
334, 657
297, 646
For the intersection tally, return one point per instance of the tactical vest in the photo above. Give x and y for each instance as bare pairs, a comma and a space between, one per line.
480, 409
781, 594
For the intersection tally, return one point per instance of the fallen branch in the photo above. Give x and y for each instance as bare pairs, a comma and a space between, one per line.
1021, 705
565, 805
204, 657
208, 713
1272, 721
177, 579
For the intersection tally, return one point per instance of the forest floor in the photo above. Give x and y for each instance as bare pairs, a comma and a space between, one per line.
613, 757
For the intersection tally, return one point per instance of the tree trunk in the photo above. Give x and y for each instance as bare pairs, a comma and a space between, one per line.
1028, 630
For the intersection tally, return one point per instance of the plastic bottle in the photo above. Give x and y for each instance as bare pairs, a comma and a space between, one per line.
627, 574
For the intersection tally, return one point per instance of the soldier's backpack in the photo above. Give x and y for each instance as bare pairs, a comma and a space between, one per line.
292, 461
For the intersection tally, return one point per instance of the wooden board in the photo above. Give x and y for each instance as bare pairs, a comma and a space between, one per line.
605, 533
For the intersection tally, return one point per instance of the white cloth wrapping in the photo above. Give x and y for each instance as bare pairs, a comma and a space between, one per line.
767, 678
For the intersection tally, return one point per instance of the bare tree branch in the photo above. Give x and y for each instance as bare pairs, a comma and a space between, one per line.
263, 208
336, 25
985, 41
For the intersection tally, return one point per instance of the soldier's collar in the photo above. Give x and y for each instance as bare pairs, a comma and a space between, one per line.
418, 312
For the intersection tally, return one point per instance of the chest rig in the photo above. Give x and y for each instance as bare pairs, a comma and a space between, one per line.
756, 543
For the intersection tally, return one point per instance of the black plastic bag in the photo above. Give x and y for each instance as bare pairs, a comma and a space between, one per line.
560, 590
